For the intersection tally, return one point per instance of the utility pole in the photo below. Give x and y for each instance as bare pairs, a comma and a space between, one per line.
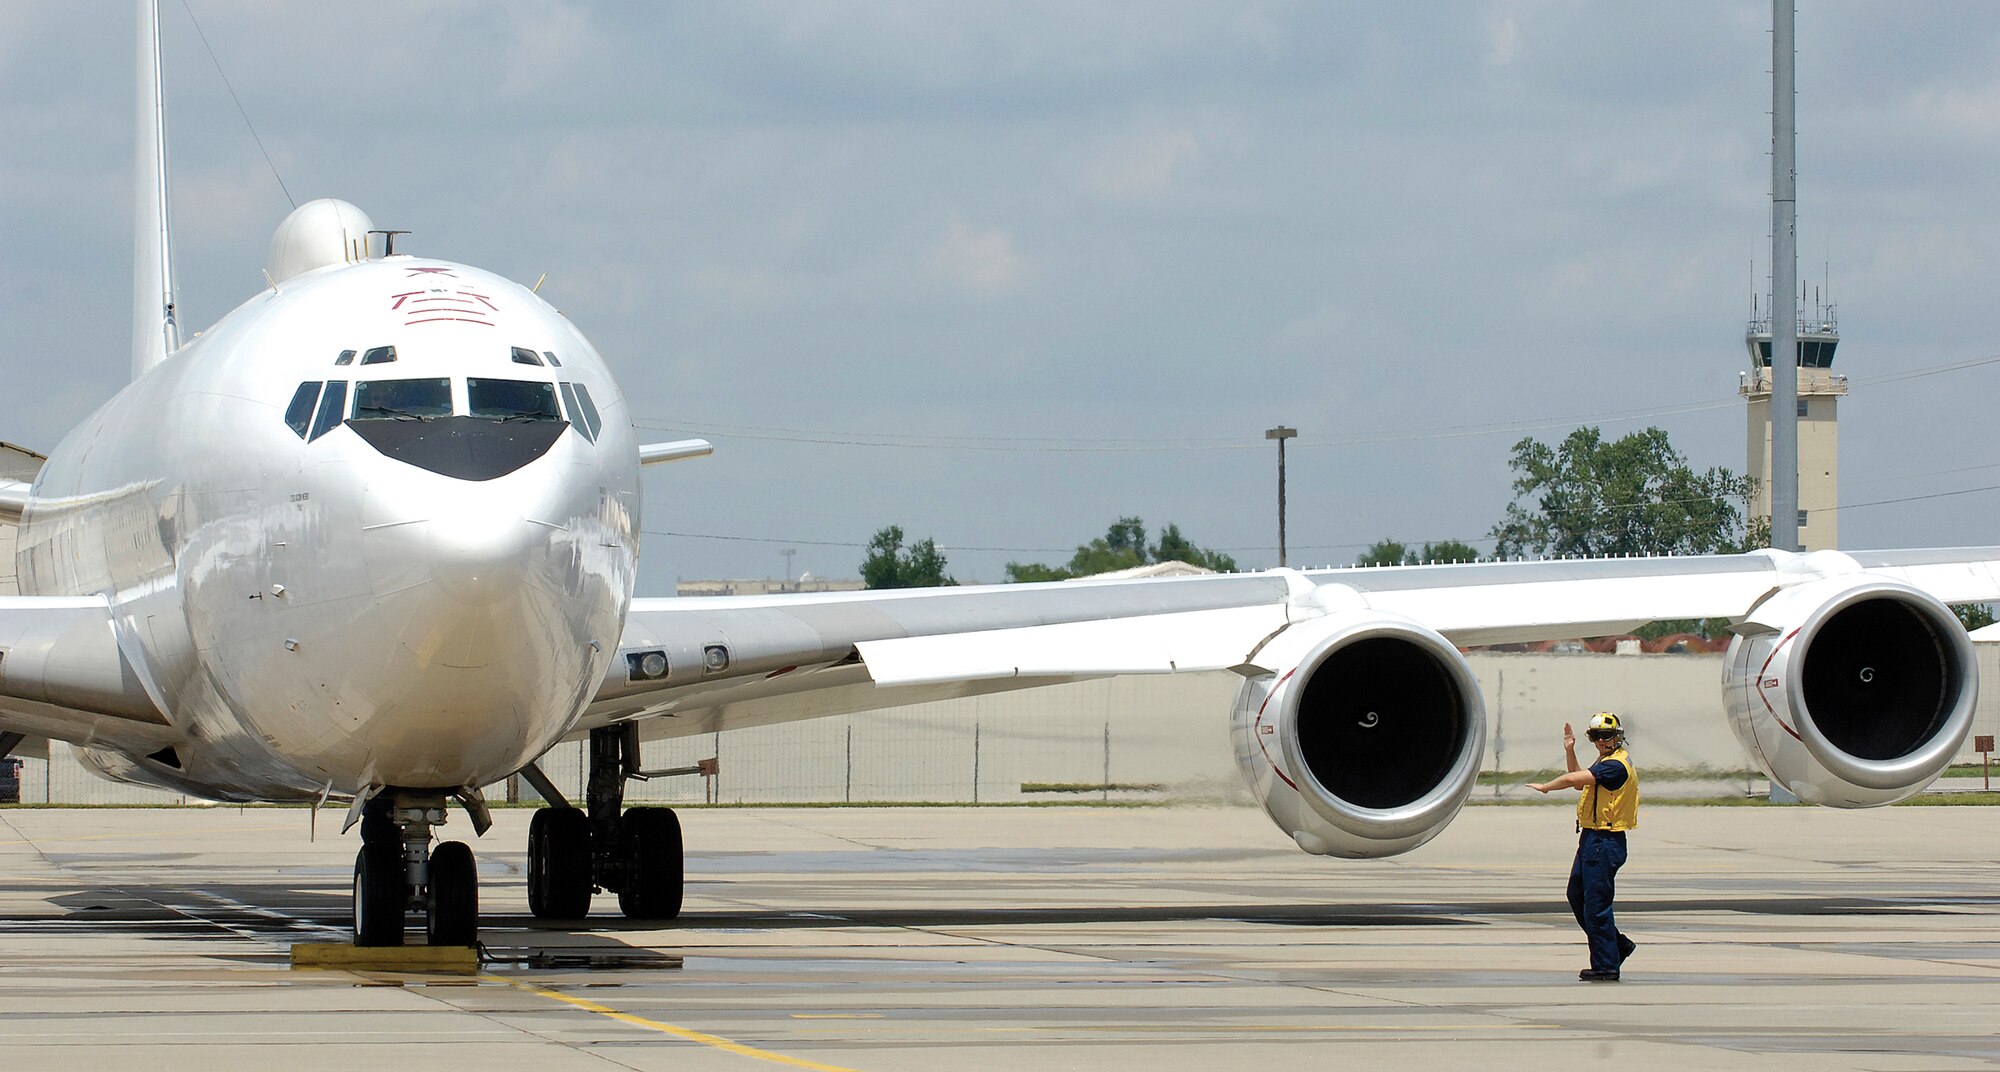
1784, 283
1281, 433
788, 553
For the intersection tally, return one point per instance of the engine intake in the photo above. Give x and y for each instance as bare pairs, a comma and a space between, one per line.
1366, 737
1851, 692
1381, 721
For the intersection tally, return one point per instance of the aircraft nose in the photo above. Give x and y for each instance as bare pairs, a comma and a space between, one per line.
480, 559
485, 601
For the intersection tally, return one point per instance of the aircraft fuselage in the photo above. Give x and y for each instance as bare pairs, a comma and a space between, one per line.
409, 566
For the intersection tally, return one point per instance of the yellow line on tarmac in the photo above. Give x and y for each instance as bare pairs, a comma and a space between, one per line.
689, 1034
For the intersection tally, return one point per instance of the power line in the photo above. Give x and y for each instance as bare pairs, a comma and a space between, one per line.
849, 543
1187, 444
1085, 445
1916, 498
239, 105
1934, 370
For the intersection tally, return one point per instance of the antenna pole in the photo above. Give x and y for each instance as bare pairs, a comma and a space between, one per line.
154, 331
1784, 283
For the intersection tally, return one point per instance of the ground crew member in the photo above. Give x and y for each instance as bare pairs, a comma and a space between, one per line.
1608, 808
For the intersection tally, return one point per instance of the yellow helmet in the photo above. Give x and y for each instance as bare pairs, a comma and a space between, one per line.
1604, 725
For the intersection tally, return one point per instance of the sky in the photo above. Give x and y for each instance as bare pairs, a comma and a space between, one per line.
1001, 274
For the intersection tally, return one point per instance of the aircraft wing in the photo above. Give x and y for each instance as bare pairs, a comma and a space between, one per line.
731, 662
64, 675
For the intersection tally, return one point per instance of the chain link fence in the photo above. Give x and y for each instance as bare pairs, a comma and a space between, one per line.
1127, 738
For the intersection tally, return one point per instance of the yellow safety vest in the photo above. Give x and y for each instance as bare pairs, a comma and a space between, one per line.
1611, 809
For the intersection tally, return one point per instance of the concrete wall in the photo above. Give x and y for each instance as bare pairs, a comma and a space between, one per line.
1171, 731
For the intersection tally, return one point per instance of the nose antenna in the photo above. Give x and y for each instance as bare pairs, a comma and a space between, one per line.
388, 241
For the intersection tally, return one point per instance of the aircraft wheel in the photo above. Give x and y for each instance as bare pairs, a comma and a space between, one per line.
453, 911
652, 864
559, 880
380, 895
378, 823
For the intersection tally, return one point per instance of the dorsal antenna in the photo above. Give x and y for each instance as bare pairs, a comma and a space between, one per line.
388, 241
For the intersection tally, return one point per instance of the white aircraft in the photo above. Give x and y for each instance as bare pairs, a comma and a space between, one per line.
373, 534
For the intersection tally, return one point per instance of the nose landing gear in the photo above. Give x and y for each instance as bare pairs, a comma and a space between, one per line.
398, 871
634, 852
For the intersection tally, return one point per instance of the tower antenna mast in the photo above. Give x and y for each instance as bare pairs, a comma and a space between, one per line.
1784, 283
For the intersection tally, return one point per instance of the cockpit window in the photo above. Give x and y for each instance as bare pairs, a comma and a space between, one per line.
380, 355
550, 354
299, 414
401, 400
331, 405
346, 358
503, 400
524, 356
590, 412
575, 411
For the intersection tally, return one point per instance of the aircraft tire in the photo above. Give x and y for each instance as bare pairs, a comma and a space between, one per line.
652, 864
559, 879
452, 914
380, 895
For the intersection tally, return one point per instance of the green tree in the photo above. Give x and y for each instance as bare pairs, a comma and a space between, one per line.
1384, 553
1635, 495
890, 565
1123, 546
1391, 553
1030, 572
1974, 615
1174, 547
1449, 551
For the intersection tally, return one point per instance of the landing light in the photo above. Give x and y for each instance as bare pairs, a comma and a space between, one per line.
715, 658
646, 665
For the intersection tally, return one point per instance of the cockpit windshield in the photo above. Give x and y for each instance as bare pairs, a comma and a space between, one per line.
401, 400
509, 400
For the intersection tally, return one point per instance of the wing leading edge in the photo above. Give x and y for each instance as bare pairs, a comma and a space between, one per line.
796, 657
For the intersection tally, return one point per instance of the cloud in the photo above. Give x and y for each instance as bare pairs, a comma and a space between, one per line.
1142, 163
544, 42
1503, 38
1972, 113
978, 260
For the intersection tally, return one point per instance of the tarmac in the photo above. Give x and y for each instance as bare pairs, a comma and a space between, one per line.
889, 939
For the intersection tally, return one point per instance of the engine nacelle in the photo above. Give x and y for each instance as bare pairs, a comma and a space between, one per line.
1366, 737
1851, 691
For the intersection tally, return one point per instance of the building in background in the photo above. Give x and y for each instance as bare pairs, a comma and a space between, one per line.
1820, 390
805, 583
16, 464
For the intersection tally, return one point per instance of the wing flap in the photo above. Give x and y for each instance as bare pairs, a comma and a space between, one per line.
1156, 644
1557, 609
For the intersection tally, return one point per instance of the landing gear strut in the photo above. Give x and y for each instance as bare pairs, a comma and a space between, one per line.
634, 852
398, 871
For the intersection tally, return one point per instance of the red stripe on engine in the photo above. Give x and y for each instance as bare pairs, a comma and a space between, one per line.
1257, 727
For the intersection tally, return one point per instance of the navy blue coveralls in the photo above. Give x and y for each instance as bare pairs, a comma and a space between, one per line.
1592, 880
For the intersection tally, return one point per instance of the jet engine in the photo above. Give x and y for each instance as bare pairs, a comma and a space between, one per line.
1360, 732
1851, 691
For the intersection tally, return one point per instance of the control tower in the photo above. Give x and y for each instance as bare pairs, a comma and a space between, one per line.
1820, 390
